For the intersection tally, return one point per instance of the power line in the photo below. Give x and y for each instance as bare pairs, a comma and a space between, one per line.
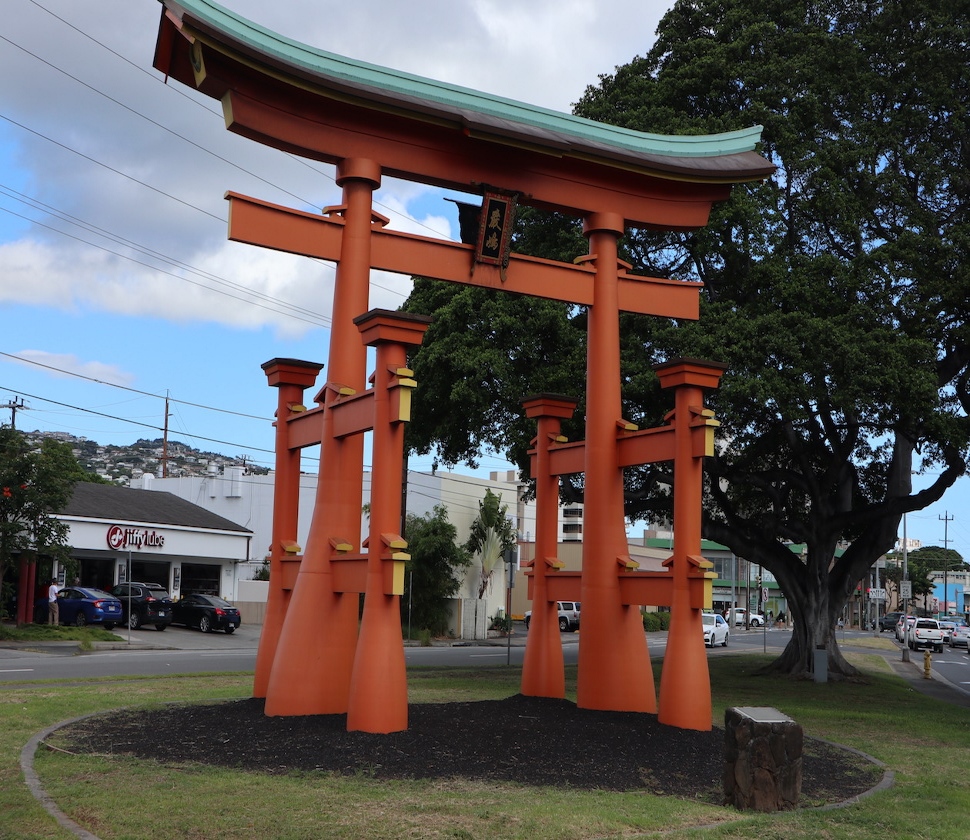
156, 78
324, 320
132, 390
137, 423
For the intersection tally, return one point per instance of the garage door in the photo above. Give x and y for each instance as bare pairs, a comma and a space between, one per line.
200, 578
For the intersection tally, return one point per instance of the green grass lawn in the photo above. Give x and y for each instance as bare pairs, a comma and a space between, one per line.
923, 741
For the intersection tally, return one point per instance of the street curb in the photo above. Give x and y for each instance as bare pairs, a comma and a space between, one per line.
37, 790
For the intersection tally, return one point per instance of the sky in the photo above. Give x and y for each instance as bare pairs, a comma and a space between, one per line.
118, 286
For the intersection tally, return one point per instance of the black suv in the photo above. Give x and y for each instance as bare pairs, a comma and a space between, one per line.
888, 621
150, 604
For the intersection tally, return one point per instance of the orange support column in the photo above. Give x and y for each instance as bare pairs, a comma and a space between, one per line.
543, 672
685, 683
614, 663
315, 654
291, 378
26, 584
378, 686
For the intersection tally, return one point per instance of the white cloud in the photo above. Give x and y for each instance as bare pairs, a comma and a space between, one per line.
64, 365
133, 165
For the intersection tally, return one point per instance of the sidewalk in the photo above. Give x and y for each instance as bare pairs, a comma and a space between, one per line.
937, 686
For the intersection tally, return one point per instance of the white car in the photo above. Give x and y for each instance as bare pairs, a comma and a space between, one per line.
959, 636
903, 626
757, 619
716, 630
568, 616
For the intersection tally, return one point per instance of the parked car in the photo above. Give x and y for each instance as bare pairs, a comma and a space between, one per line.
926, 633
207, 612
889, 621
568, 616
756, 620
904, 624
80, 605
716, 630
947, 626
150, 604
959, 636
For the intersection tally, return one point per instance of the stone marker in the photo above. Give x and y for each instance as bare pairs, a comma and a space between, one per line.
762, 759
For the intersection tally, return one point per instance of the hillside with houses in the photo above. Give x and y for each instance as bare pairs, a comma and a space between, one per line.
123, 463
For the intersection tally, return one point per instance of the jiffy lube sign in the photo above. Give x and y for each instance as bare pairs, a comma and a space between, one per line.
122, 538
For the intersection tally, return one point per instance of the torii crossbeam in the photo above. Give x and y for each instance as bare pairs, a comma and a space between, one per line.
373, 122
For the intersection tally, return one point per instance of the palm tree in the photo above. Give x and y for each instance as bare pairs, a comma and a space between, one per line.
492, 533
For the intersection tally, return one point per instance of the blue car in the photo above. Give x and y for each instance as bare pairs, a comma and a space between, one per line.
80, 605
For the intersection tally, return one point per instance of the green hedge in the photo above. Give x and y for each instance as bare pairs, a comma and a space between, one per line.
656, 621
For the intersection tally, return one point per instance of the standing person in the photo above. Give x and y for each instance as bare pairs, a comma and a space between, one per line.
53, 612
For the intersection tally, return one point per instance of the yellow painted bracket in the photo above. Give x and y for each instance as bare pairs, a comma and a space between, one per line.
339, 390
336, 213
401, 387
626, 425
554, 563
394, 573
290, 547
701, 582
627, 562
340, 546
394, 542
703, 445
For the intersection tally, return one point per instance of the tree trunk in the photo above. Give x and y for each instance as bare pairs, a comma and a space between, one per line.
813, 624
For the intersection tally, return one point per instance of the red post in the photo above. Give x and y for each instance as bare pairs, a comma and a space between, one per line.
291, 378
315, 654
685, 683
614, 664
26, 583
378, 687
543, 667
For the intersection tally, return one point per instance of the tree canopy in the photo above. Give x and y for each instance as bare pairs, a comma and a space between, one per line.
34, 484
434, 572
836, 291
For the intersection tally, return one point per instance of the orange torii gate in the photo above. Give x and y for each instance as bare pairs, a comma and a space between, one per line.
685, 689
372, 122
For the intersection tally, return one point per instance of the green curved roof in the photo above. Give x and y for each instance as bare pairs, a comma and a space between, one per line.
726, 154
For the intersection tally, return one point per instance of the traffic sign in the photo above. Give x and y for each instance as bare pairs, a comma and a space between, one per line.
877, 594
906, 589
764, 594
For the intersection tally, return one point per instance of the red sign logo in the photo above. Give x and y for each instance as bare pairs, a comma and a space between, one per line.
120, 538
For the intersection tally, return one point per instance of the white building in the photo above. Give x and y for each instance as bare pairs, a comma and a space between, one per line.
248, 501
119, 534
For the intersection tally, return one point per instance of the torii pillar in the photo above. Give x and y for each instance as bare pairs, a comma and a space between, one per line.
685, 684
614, 663
314, 658
291, 377
542, 668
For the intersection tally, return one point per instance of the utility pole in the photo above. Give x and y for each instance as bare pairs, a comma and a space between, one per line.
906, 580
13, 405
165, 441
946, 519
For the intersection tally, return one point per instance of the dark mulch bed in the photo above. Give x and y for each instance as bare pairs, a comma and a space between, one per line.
528, 740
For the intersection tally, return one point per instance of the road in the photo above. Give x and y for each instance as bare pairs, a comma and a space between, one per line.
180, 650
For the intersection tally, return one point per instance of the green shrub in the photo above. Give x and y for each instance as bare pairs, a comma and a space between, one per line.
501, 622
653, 621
